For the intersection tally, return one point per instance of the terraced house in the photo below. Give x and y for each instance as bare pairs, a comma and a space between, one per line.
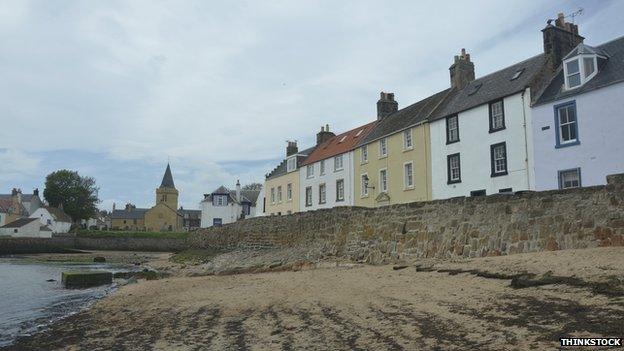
326, 178
392, 162
282, 184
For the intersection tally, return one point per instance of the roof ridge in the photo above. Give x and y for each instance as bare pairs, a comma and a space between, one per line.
609, 42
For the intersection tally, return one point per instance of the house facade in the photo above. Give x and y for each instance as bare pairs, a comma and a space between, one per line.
326, 177
26, 227
224, 206
17, 205
281, 185
54, 218
391, 164
482, 135
579, 119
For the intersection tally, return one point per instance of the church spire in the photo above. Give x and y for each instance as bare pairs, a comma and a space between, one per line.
167, 181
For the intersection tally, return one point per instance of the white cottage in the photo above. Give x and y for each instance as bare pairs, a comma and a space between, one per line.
481, 136
224, 206
26, 227
54, 218
326, 177
579, 119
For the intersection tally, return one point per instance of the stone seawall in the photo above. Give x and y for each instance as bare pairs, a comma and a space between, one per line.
9, 246
468, 227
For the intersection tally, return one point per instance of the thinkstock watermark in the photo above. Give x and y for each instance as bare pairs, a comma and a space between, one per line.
598, 342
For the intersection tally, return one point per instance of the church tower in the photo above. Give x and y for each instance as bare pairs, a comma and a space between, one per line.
167, 193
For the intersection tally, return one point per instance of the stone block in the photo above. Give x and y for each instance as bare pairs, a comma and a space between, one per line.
85, 279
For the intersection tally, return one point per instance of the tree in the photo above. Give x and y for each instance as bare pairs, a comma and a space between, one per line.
252, 186
78, 195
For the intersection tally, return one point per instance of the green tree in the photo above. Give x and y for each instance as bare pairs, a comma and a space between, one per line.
78, 195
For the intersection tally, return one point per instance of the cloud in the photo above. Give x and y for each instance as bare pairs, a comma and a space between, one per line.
215, 84
16, 164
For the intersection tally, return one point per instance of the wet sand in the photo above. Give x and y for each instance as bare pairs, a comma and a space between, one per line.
436, 305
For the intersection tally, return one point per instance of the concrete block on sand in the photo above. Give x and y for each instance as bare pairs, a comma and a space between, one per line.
85, 279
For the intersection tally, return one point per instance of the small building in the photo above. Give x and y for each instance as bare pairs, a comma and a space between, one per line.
26, 227
130, 218
54, 218
577, 121
11, 207
191, 219
224, 206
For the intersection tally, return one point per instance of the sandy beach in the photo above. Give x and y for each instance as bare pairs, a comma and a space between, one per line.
429, 305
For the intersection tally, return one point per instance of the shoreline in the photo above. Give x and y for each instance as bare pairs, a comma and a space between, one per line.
427, 304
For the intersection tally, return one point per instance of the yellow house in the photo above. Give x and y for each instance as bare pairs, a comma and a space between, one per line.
392, 164
281, 186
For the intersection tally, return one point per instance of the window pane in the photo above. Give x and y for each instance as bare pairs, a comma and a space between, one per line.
573, 67
574, 80
588, 64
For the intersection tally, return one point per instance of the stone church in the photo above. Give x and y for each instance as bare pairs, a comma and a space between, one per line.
163, 216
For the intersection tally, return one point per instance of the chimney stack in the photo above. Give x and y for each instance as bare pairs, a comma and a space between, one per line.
559, 40
386, 105
36, 192
113, 207
238, 190
462, 71
324, 135
291, 148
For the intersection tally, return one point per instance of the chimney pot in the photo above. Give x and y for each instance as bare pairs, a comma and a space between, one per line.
559, 40
291, 148
324, 135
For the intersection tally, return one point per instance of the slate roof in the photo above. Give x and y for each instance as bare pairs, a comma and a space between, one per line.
491, 87
339, 144
405, 117
167, 181
58, 214
18, 223
136, 213
584, 49
610, 71
280, 170
250, 196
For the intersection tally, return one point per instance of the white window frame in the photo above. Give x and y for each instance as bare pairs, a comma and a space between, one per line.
291, 164
322, 167
561, 175
364, 154
279, 194
383, 181
449, 130
310, 171
383, 147
338, 163
273, 195
289, 192
364, 184
322, 193
583, 78
406, 183
221, 200
340, 196
408, 140
308, 195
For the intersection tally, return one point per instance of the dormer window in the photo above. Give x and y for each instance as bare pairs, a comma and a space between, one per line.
580, 66
291, 164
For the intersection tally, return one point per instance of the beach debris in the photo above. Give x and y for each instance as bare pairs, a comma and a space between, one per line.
99, 259
51, 280
399, 267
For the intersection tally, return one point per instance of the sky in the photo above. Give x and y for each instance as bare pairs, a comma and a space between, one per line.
116, 89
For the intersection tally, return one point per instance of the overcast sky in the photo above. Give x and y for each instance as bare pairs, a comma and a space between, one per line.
114, 89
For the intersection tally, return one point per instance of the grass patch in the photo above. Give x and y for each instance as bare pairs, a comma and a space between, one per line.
128, 234
193, 256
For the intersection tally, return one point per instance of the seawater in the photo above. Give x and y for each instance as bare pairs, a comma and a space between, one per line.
29, 301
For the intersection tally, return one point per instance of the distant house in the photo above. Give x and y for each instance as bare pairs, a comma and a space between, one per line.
224, 206
191, 219
17, 205
54, 218
26, 227
130, 218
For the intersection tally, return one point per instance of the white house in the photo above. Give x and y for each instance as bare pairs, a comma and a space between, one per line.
54, 218
224, 206
481, 136
579, 119
326, 176
26, 227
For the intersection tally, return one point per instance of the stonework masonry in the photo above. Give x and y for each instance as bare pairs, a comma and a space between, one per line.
458, 227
